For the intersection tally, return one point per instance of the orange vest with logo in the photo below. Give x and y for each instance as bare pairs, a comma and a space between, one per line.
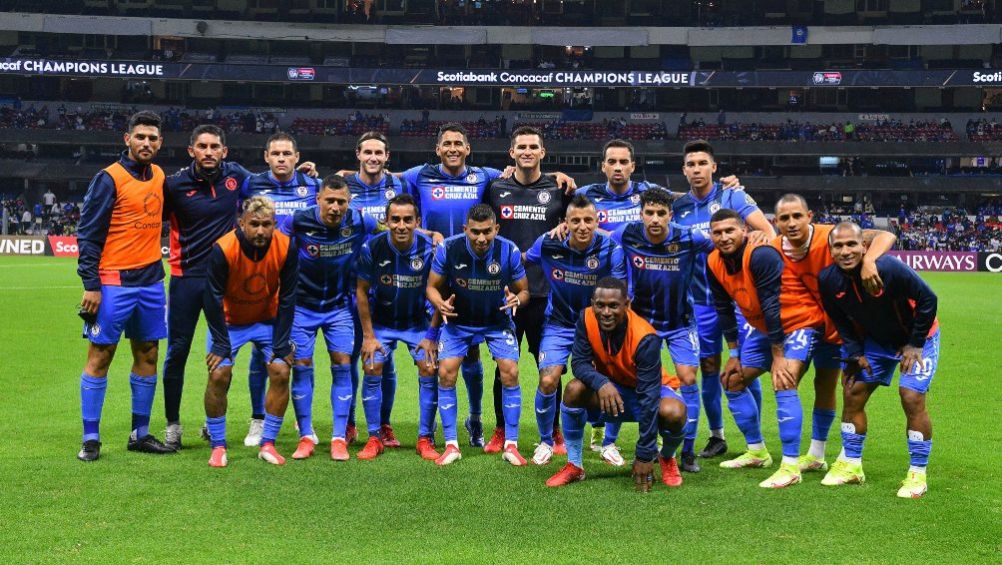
252, 286
136, 221
806, 271
621, 367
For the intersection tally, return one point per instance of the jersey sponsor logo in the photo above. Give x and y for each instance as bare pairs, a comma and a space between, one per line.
598, 198
384, 263
557, 256
603, 216
461, 282
231, 183
386, 279
494, 268
557, 275
417, 264
190, 193
592, 262
504, 194
461, 266
313, 250
152, 205
684, 214
438, 193
639, 262
302, 191
507, 212
543, 197
840, 294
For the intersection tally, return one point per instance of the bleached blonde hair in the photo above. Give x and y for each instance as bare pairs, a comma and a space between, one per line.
259, 206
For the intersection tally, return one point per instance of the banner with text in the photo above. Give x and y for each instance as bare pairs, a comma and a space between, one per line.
946, 261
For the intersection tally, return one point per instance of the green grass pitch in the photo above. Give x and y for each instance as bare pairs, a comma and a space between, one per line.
141, 508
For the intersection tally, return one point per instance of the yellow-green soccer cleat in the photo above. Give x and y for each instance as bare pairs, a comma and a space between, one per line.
787, 475
844, 473
913, 486
757, 458
808, 463
597, 435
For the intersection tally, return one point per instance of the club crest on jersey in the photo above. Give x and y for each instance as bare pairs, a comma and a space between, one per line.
494, 268
461, 283
417, 264
95, 329
542, 355
389, 194
635, 199
557, 275
672, 248
507, 212
345, 232
302, 191
231, 183
603, 216
639, 262
592, 262
438, 192
313, 250
386, 279
714, 207
471, 178
543, 197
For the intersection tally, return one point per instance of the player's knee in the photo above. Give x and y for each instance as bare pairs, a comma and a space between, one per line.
912, 401
373, 370
549, 380
672, 413
686, 374
575, 393
508, 370
339, 358
710, 365
303, 362
220, 378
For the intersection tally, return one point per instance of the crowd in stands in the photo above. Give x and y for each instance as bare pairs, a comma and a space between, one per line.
480, 129
888, 130
97, 118
984, 130
355, 125
949, 229
45, 217
599, 131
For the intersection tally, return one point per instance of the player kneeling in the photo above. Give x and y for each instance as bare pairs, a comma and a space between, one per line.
618, 377
251, 297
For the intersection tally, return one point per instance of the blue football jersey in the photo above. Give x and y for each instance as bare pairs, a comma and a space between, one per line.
690, 211
478, 282
614, 209
372, 199
326, 256
573, 274
444, 199
397, 280
297, 194
660, 274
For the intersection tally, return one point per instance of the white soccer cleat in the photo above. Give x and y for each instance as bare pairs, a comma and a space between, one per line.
611, 455
253, 438
543, 454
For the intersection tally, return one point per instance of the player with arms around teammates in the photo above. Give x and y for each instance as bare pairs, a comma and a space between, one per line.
250, 298
122, 273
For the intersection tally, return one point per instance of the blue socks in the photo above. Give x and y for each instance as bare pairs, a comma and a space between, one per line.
790, 415
611, 433
143, 391
546, 405
447, 409
918, 449
257, 382
92, 390
353, 370
852, 443
690, 394
473, 376
302, 398
272, 424
217, 431
372, 401
511, 399
428, 405
341, 397
756, 391
574, 423
389, 386
711, 393
746, 415
821, 423
670, 441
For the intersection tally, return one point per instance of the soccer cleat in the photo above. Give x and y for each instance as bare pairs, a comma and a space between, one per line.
512, 455
387, 436
611, 455
559, 447
714, 447
268, 453
450, 455
90, 450
543, 454
808, 463
172, 436
305, 448
844, 473
253, 438
476, 430
914, 485
313, 437
496, 444
149, 444
351, 434
426, 449
758, 458
372, 449
689, 463
218, 457
787, 475
669, 472
339, 450
597, 435
569, 473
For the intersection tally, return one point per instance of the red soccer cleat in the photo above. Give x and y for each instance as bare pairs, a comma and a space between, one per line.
569, 473
372, 449
450, 455
389, 438
496, 444
218, 457
268, 453
305, 448
351, 435
512, 455
669, 472
426, 449
559, 446
339, 450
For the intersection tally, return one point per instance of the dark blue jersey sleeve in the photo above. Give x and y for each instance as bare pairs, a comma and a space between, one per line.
852, 342
582, 356
363, 265
515, 260
438, 264
648, 360
288, 279
92, 230
535, 253
766, 266
618, 260
903, 281
218, 272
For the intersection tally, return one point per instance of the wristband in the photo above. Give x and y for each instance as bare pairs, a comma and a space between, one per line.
733, 353
432, 334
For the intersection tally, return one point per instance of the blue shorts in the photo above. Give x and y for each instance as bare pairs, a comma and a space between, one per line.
885, 361
337, 326
259, 334
389, 337
456, 340
555, 347
710, 335
756, 352
139, 311
631, 405
827, 355
683, 345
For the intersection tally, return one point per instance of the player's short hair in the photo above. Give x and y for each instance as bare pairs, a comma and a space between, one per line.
259, 206
617, 143
580, 201
402, 200
209, 129
145, 118
373, 135
793, 197
698, 146
451, 126
281, 136
656, 197
334, 182
846, 225
526, 130
480, 213
726, 214
611, 283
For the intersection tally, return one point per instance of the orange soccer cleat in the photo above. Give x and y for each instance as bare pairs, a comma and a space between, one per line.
669, 472
218, 457
339, 450
269, 454
496, 444
389, 438
559, 446
450, 455
372, 449
569, 473
426, 449
305, 448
